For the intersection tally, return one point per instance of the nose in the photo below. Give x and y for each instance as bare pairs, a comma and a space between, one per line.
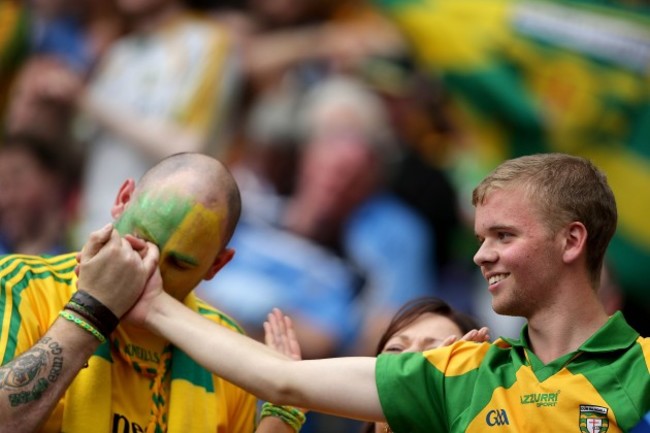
485, 254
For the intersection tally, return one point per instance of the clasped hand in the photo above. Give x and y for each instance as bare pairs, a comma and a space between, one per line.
116, 270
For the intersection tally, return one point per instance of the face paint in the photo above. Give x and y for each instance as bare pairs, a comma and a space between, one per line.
187, 233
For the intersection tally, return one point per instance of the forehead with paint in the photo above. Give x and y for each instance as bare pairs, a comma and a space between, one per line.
167, 216
185, 220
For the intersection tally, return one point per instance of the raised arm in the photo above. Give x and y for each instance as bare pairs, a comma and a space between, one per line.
32, 383
339, 386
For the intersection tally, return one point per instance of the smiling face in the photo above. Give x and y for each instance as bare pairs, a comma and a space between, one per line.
518, 255
426, 332
188, 235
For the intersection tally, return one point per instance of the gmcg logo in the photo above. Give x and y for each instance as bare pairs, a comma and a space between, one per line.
497, 417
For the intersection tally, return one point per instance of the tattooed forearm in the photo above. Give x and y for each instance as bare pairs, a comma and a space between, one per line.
26, 378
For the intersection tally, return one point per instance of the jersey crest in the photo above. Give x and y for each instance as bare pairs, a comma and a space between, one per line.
593, 419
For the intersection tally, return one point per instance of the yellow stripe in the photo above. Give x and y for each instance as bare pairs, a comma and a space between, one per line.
466, 357
432, 28
9, 13
645, 347
200, 110
9, 283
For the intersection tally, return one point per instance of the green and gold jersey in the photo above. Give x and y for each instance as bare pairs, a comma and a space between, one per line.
467, 387
114, 394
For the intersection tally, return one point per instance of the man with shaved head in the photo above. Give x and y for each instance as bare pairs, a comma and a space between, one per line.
69, 363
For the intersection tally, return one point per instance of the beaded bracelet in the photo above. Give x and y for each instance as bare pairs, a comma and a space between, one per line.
82, 324
87, 316
291, 416
85, 304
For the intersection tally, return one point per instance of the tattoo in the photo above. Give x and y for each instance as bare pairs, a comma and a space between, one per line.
26, 377
22, 370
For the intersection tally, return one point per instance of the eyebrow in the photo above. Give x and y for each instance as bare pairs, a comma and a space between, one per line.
406, 338
184, 258
496, 228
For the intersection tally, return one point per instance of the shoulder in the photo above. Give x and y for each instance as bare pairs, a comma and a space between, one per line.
453, 360
217, 316
19, 267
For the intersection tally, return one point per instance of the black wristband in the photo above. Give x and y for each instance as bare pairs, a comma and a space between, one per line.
95, 311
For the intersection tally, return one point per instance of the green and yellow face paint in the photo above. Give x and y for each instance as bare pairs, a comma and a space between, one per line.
187, 234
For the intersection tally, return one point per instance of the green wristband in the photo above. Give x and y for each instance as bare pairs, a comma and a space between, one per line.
290, 415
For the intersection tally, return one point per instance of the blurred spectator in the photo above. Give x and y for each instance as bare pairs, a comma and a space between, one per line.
341, 199
278, 36
340, 202
30, 111
419, 112
276, 267
69, 34
38, 180
163, 88
60, 28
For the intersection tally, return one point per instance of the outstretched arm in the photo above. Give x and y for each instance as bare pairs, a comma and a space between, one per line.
32, 383
339, 386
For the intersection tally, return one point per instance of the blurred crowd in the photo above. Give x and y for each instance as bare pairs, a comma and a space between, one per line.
355, 130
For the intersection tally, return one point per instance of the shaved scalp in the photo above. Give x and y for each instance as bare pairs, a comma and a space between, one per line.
201, 176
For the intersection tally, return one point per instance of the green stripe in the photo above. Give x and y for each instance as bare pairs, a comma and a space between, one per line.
39, 270
396, 4
184, 367
211, 312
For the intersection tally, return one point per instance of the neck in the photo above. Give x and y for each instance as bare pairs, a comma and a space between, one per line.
564, 327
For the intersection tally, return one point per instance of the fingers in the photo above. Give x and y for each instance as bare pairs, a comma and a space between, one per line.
294, 347
484, 333
268, 335
150, 257
136, 243
478, 336
280, 335
449, 340
96, 241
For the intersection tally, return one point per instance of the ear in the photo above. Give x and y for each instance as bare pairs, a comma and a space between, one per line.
575, 241
222, 260
123, 198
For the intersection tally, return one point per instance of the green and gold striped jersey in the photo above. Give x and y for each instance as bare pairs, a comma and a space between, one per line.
467, 387
113, 393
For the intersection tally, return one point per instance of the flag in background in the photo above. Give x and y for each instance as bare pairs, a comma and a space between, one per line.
14, 41
540, 76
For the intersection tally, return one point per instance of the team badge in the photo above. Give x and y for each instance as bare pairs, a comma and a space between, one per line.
593, 419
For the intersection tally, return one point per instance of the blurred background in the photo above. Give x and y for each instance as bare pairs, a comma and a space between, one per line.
355, 129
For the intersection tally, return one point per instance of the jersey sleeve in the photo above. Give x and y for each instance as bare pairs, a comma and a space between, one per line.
408, 384
32, 292
433, 389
